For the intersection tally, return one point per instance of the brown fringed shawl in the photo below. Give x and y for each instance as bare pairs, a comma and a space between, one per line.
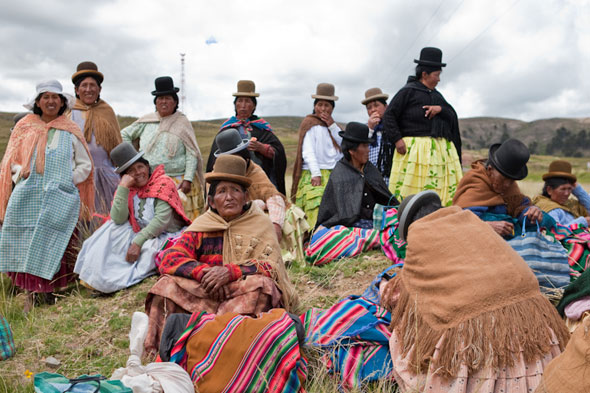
102, 121
475, 189
464, 286
307, 123
573, 207
31, 134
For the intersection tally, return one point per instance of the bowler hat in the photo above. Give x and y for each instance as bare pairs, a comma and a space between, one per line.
124, 155
510, 158
229, 168
373, 94
560, 168
325, 91
246, 88
87, 68
410, 206
356, 132
430, 57
164, 86
229, 141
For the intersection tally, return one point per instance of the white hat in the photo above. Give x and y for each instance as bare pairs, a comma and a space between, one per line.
51, 86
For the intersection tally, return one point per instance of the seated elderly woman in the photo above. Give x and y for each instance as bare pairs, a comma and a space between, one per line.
453, 328
228, 260
345, 218
146, 210
490, 191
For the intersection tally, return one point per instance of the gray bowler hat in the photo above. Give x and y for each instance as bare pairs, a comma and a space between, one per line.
229, 142
124, 155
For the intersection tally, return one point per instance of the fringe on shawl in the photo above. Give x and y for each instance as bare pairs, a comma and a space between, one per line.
493, 339
106, 131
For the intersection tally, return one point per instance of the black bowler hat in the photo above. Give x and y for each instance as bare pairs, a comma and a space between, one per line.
356, 132
124, 155
164, 86
510, 158
430, 57
410, 206
229, 142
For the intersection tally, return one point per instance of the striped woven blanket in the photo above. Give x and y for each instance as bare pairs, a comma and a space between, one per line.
329, 244
238, 353
576, 240
393, 246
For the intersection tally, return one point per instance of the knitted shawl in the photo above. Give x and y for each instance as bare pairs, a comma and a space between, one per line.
250, 237
159, 186
102, 122
30, 135
465, 291
572, 206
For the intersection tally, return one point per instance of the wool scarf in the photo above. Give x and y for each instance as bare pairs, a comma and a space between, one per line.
102, 122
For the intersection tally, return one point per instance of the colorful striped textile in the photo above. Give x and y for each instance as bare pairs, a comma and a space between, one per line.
392, 245
355, 337
328, 244
7, 348
576, 240
238, 353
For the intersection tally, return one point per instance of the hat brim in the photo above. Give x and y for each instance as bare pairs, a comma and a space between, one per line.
242, 180
327, 98
240, 147
165, 92
126, 165
70, 100
429, 63
565, 175
524, 171
374, 98
245, 94
412, 204
353, 139
83, 73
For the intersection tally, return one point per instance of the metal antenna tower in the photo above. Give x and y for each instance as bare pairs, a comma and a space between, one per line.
182, 84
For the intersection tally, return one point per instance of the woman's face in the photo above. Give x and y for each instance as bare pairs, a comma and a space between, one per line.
244, 108
560, 194
361, 154
88, 90
500, 184
140, 173
430, 80
376, 107
323, 106
229, 200
50, 104
165, 105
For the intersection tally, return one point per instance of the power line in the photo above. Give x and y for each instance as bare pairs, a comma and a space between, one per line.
443, 23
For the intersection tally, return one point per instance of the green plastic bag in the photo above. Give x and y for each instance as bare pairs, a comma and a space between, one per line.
56, 383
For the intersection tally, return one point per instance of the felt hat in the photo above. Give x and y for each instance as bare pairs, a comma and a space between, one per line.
410, 206
430, 57
246, 88
230, 168
51, 86
229, 141
356, 132
373, 94
124, 155
164, 86
325, 91
510, 158
560, 168
87, 68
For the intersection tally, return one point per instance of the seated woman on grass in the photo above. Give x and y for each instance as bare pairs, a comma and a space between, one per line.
345, 219
228, 260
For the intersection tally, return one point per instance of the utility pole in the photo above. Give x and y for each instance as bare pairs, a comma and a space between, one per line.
182, 83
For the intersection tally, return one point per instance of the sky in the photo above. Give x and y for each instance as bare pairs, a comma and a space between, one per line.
522, 59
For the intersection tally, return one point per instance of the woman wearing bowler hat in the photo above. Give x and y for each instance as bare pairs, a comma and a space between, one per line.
490, 191
345, 216
167, 138
421, 134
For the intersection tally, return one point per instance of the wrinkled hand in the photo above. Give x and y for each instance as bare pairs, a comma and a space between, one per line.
326, 118
374, 120
214, 279
127, 181
431, 110
400, 146
185, 186
534, 214
133, 253
256, 146
502, 228
278, 231
316, 181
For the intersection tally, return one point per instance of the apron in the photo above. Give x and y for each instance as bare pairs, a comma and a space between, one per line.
41, 215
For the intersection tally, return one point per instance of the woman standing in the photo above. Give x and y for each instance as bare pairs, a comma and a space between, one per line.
318, 152
48, 162
424, 130
100, 127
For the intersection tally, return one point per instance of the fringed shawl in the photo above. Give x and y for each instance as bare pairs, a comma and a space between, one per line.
102, 122
250, 237
465, 291
31, 134
573, 207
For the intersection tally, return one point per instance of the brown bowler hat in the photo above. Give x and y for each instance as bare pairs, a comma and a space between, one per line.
560, 168
229, 168
325, 91
87, 68
373, 94
246, 88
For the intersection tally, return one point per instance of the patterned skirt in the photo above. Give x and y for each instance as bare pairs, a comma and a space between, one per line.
429, 164
193, 202
328, 244
309, 197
